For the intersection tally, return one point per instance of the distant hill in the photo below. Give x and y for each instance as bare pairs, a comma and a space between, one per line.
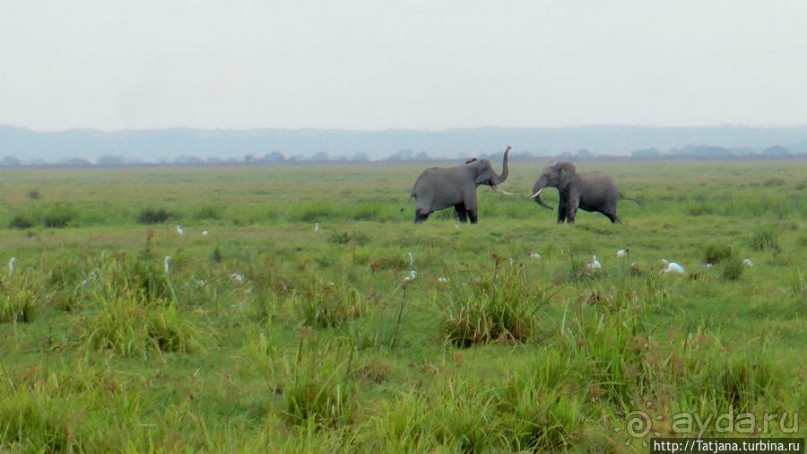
212, 145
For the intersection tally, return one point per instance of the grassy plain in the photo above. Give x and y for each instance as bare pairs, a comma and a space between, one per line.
268, 334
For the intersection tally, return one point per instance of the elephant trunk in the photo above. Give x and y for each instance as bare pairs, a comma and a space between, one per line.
539, 186
499, 179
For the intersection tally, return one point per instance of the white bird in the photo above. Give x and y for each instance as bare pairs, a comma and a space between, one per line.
442, 280
412, 276
167, 267
672, 267
316, 227
237, 277
594, 264
411, 260
11, 265
706, 265
179, 230
204, 233
535, 255
748, 262
622, 253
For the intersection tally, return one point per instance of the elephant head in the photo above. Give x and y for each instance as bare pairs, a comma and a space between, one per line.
485, 173
442, 187
556, 175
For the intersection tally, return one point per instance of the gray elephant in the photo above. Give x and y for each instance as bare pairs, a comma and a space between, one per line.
442, 187
593, 191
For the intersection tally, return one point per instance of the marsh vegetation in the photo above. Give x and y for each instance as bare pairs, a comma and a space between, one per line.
295, 323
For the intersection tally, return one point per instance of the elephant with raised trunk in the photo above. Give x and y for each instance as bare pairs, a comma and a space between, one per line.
593, 191
443, 187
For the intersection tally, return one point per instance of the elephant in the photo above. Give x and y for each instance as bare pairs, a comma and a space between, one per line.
593, 191
442, 187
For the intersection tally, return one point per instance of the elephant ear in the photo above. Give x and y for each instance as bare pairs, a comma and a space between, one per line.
567, 170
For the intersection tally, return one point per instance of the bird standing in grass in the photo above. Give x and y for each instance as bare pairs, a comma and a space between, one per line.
165, 263
672, 267
622, 253
11, 265
412, 273
594, 265
179, 230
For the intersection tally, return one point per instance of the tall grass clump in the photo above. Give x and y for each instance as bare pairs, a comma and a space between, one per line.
732, 269
500, 307
132, 314
18, 298
764, 239
541, 410
741, 382
132, 327
328, 305
319, 387
715, 253
34, 420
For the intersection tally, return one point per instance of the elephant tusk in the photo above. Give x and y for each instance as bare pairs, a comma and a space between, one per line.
496, 188
536, 194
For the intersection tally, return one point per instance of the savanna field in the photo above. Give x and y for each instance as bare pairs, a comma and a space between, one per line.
291, 326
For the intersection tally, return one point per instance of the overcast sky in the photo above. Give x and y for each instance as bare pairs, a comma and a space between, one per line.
372, 64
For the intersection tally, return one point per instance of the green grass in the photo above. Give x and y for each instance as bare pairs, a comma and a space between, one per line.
268, 334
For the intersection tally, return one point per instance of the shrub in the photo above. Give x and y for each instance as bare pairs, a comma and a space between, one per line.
57, 218
208, 212
715, 253
155, 216
20, 222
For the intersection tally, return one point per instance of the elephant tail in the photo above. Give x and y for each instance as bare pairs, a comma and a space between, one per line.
628, 198
411, 196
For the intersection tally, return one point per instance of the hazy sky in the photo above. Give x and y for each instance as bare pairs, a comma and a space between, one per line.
372, 64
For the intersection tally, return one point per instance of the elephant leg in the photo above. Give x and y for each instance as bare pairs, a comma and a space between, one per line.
469, 204
562, 204
570, 217
571, 207
421, 215
614, 218
462, 213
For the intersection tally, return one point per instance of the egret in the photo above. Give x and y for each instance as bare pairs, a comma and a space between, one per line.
442, 280
622, 253
411, 260
748, 262
11, 265
204, 233
179, 230
535, 255
672, 267
237, 277
316, 227
167, 267
411, 277
594, 265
